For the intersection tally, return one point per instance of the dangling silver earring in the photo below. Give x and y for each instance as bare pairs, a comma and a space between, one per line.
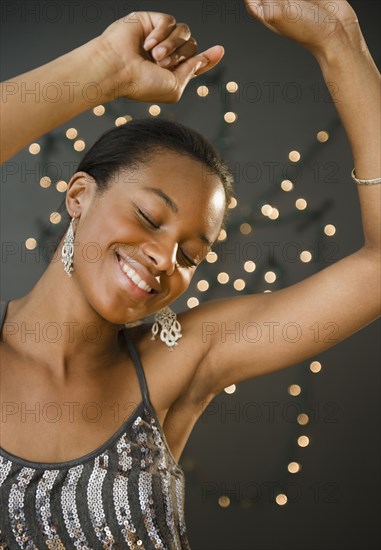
68, 249
170, 327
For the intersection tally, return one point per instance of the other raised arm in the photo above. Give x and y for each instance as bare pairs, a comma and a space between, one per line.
123, 61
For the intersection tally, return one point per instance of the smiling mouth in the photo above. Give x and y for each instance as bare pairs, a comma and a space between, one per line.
135, 277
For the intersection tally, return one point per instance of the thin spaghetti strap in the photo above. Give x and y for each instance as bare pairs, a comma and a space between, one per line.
3, 310
138, 366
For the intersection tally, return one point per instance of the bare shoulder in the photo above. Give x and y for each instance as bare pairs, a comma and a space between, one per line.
177, 381
180, 371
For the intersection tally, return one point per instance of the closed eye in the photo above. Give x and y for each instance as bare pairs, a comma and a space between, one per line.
188, 261
148, 219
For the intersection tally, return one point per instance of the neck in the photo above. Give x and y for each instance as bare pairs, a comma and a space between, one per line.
56, 327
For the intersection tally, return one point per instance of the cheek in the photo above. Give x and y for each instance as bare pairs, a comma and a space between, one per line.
185, 280
100, 235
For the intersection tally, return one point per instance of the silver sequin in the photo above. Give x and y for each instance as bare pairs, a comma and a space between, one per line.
43, 512
16, 509
69, 508
95, 503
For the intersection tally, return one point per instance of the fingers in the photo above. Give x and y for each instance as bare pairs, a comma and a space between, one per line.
180, 35
163, 24
198, 65
167, 35
172, 47
169, 42
189, 49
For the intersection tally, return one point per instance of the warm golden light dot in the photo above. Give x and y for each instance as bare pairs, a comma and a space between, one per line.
303, 441
211, 257
303, 419
305, 256
71, 133
301, 204
61, 186
249, 266
287, 185
274, 214
99, 110
203, 285
30, 243
315, 366
233, 203
230, 117
294, 156
293, 467
224, 501
281, 499
270, 277
222, 235
322, 136
120, 121
232, 87
192, 302
294, 389
45, 181
329, 230
154, 110
239, 284
223, 278
79, 145
202, 91
55, 217
245, 228
34, 149
230, 389
266, 209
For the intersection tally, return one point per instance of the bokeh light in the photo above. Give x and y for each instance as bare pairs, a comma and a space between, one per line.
232, 87
154, 110
230, 117
34, 149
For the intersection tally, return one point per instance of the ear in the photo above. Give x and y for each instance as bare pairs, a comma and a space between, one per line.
80, 193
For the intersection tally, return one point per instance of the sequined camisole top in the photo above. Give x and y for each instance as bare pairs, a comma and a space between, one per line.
126, 494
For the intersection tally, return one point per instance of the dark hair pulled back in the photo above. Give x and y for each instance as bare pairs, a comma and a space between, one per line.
136, 142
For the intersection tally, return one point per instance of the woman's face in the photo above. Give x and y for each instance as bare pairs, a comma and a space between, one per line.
139, 243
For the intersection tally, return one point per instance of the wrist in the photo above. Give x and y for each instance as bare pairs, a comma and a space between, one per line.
344, 41
107, 69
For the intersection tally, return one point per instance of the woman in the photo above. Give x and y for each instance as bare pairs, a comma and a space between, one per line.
86, 484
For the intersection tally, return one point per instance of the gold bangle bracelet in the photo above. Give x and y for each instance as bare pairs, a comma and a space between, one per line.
365, 182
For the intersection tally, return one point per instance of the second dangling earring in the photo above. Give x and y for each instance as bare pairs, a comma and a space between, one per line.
170, 327
67, 251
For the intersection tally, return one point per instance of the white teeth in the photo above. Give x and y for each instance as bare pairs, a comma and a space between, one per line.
142, 285
135, 277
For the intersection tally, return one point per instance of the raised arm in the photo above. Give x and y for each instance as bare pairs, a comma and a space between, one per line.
243, 337
123, 61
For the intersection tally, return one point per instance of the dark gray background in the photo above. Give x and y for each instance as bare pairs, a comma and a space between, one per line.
334, 500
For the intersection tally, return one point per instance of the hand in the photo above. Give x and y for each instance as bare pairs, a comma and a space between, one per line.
142, 72
315, 24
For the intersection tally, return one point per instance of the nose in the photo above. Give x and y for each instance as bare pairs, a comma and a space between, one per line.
162, 256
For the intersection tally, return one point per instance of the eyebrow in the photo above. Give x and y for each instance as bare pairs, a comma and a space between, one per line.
168, 201
175, 209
